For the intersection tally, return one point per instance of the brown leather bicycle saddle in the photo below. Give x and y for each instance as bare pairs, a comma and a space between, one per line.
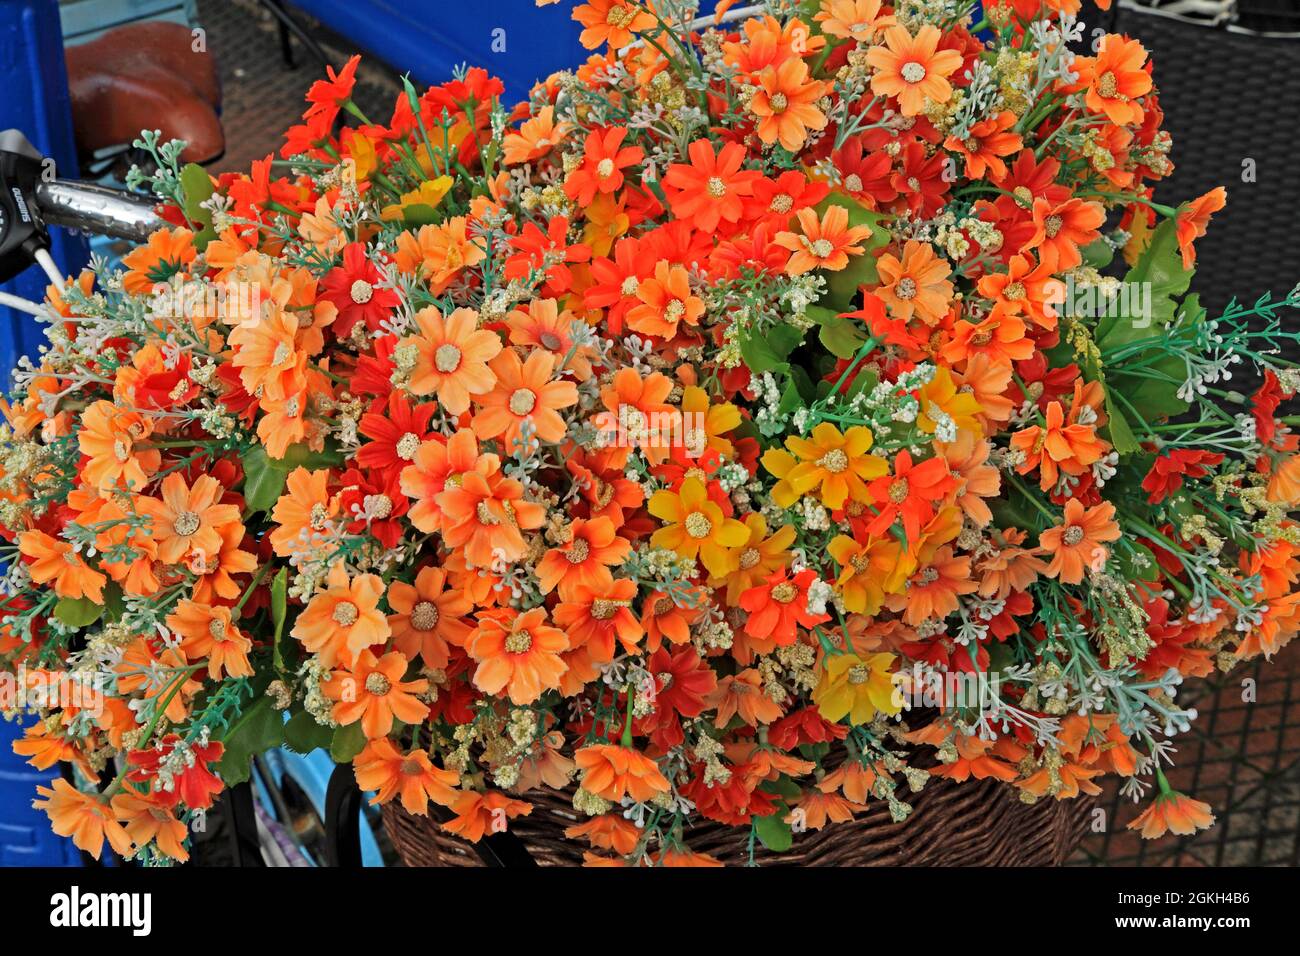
145, 76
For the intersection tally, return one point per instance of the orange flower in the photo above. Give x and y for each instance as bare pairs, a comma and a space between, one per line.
1194, 218
436, 465
188, 520
757, 558
666, 302
852, 19
786, 104
383, 768
985, 143
636, 410
869, 570
1174, 811
712, 187
912, 68
519, 653
1061, 229
609, 831
837, 465
306, 508
438, 253
1116, 79
108, 437
613, 772
934, 590
815, 808
373, 692
1076, 544
451, 357
55, 560
611, 21
82, 817
161, 675
742, 694
591, 546
696, 526
148, 819
271, 364
536, 137
1026, 289
544, 325
604, 157
168, 252
824, 244
1056, 447
1007, 567
525, 391
999, 335
984, 382
662, 617
344, 619
596, 615
976, 479
209, 632
916, 286
427, 616
480, 813
486, 515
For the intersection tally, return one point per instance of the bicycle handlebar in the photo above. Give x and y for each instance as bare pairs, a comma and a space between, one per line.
97, 209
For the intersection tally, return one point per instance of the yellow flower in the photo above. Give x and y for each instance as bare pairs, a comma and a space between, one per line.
429, 193
696, 527
839, 464
856, 686
705, 424
757, 558
940, 399
869, 571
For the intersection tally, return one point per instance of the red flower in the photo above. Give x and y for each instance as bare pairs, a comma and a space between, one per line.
1167, 473
920, 182
910, 494
374, 373
396, 435
712, 187
1263, 406
327, 96
602, 166
548, 250
614, 281
682, 682
354, 289
805, 726
372, 504
779, 605
192, 784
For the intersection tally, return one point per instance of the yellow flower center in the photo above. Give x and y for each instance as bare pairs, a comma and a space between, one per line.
1073, 535
898, 490
377, 684
447, 358
1014, 291
698, 525
362, 292
217, 629
379, 506
522, 401
782, 203
905, 288
407, 446
519, 642
822, 248
834, 461
859, 674
602, 609
853, 183
913, 72
784, 593
749, 558
186, 523
579, 551
345, 613
778, 102
605, 168
717, 188
1107, 85
1052, 225
424, 616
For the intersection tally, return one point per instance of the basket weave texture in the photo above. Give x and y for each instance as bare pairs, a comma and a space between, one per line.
977, 823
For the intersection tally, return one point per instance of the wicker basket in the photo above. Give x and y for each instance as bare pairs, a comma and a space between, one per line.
977, 823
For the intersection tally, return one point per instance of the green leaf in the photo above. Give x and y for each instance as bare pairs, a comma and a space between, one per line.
77, 612
348, 741
302, 734
1121, 433
798, 391
198, 189
842, 286
1161, 265
264, 479
279, 609
842, 336
768, 351
258, 729
1099, 253
773, 832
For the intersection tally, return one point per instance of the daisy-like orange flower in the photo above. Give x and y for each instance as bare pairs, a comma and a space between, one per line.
168, 252
373, 692
82, 817
1194, 218
208, 632
525, 391
436, 465
604, 158
481, 813
869, 571
935, 590
387, 771
1056, 447
662, 617
270, 363
857, 20
451, 357
438, 253
911, 494
1026, 289
1000, 335
486, 515
985, 144
1062, 229
52, 560
712, 187
695, 526
611, 21
109, 437
666, 301
590, 548
343, 619
149, 819
427, 616
609, 831
742, 695
517, 653
1173, 811
543, 324
613, 772
913, 69
1075, 545
599, 616
915, 286
822, 244
188, 519
816, 808
636, 414
1116, 79
837, 465
305, 508
536, 137
786, 104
